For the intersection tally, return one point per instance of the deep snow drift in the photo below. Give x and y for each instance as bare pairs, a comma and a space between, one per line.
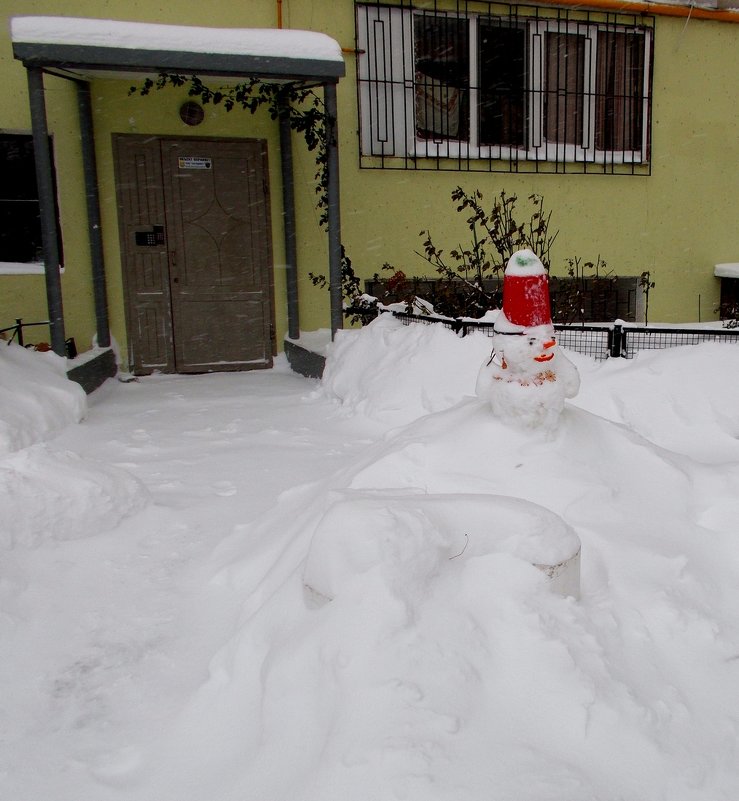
159, 640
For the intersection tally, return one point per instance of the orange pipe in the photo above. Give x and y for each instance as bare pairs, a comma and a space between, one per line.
279, 13
658, 9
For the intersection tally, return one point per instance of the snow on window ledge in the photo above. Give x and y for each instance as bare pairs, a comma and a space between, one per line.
727, 270
21, 268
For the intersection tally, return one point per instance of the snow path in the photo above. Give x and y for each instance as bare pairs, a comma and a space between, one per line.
115, 631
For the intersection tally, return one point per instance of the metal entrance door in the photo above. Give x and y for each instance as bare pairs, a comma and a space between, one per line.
196, 249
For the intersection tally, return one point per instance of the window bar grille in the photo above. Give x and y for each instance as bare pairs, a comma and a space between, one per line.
586, 107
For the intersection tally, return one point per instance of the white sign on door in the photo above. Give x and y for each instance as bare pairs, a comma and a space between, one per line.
194, 163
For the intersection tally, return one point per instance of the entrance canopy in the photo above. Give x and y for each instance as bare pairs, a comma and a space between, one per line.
79, 49
92, 45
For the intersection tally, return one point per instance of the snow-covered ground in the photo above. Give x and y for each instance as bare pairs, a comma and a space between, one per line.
158, 641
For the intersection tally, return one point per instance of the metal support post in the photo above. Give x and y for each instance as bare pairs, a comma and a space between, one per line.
288, 207
95, 232
334, 216
47, 208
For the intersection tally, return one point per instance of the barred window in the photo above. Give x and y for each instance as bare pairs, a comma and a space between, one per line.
503, 88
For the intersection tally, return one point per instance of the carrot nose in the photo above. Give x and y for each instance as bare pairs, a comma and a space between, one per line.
546, 357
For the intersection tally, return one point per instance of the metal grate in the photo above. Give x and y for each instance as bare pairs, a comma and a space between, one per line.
636, 339
595, 341
484, 86
590, 340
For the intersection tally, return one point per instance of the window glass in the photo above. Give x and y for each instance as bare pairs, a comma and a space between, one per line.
564, 83
502, 82
442, 77
20, 227
619, 91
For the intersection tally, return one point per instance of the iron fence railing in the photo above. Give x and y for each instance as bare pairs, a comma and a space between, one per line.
653, 337
17, 330
601, 340
16, 335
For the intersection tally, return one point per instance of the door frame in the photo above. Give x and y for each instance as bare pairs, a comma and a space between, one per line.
129, 301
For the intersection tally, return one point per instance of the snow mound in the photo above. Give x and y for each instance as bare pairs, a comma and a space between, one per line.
181, 659
36, 398
49, 495
395, 373
415, 537
683, 399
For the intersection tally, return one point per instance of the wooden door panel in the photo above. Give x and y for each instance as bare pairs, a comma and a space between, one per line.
218, 218
144, 254
153, 335
150, 278
213, 322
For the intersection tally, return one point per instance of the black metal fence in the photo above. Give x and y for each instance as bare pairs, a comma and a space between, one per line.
634, 339
16, 335
599, 341
16, 331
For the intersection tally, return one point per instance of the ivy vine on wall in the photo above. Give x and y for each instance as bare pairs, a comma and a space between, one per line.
301, 105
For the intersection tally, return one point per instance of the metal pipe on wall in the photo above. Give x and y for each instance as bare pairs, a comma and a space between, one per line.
658, 9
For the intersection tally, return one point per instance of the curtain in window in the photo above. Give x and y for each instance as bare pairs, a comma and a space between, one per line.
442, 76
619, 88
437, 108
564, 70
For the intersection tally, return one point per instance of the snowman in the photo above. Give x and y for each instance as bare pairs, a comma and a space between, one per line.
527, 377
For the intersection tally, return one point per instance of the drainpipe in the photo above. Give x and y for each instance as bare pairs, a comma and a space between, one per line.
334, 217
288, 207
691, 11
47, 208
93, 214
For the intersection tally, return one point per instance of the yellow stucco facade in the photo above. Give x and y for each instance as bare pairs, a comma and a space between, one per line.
677, 222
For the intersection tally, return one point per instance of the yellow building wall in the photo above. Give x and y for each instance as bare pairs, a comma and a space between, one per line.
676, 223
24, 296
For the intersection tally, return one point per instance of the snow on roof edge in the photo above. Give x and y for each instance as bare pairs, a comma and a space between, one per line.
280, 43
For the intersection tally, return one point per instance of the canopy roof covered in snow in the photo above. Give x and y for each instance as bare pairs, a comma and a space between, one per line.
93, 45
79, 49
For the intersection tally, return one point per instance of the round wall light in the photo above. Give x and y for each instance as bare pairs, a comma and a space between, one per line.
191, 113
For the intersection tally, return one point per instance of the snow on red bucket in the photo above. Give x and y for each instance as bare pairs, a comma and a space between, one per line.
526, 291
